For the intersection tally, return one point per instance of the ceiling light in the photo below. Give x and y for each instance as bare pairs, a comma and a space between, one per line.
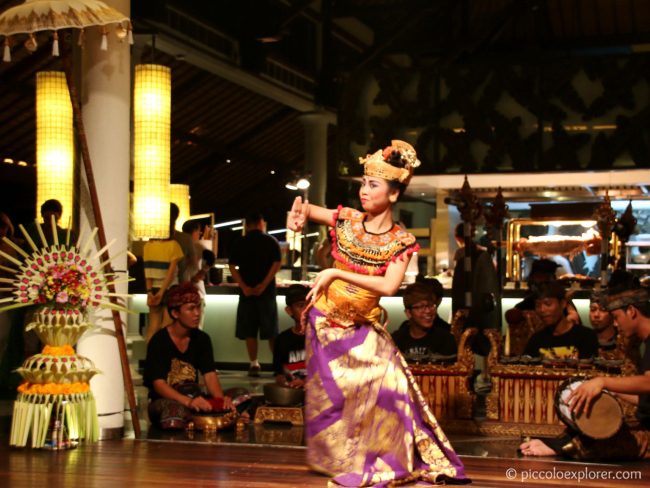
302, 184
9, 161
291, 186
151, 151
54, 142
227, 161
227, 224
22, 163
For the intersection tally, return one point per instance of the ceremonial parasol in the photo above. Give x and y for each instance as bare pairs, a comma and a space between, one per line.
53, 15
37, 16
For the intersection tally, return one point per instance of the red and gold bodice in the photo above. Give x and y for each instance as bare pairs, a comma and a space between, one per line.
357, 250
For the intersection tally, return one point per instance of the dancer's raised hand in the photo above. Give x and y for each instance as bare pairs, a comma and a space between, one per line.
298, 215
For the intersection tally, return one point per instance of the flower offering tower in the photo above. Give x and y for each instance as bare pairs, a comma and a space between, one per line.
61, 282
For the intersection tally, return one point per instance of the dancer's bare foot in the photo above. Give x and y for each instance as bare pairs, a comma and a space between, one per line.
536, 447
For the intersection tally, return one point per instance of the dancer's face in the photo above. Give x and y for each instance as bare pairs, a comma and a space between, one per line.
376, 195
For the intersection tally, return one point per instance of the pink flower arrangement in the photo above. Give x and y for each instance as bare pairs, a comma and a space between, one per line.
62, 285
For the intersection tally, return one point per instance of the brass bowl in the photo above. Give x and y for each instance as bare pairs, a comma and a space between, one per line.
283, 396
212, 421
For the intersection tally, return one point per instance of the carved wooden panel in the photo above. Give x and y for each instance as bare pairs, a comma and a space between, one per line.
586, 113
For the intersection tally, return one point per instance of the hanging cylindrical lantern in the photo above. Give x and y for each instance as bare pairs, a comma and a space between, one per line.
151, 151
180, 195
54, 143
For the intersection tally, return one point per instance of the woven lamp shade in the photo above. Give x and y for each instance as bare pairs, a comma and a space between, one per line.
180, 195
151, 151
54, 142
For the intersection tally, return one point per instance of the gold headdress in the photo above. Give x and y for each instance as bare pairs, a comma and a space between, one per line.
376, 164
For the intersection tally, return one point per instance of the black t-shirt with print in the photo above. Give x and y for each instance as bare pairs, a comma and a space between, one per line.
164, 361
289, 354
438, 340
582, 338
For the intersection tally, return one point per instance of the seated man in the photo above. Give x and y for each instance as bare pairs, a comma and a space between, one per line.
175, 355
542, 271
630, 308
289, 348
424, 332
602, 323
560, 332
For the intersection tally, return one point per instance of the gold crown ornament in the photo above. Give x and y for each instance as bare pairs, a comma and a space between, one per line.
376, 164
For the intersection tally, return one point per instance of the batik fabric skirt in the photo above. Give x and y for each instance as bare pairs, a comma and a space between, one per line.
367, 423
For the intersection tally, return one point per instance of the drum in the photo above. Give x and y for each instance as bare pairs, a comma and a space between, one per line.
604, 420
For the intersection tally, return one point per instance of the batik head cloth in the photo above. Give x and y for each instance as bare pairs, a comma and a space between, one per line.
627, 297
181, 294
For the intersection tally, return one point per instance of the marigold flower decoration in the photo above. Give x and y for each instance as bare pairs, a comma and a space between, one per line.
59, 276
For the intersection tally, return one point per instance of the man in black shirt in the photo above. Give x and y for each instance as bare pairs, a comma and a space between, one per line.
254, 261
424, 332
602, 322
175, 356
289, 350
629, 305
560, 331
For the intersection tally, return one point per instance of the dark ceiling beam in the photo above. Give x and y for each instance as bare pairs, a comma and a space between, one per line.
205, 166
278, 118
491, 31
25, 68
346, 9
224, 191
545, 15
577, 16
221, 151
599, 26
294, 11
632, 16
409, 21
562, 22
556, 47
614, 12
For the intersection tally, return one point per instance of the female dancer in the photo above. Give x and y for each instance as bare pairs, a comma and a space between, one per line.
367, 421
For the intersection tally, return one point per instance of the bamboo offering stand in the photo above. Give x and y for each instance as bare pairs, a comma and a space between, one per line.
31, 18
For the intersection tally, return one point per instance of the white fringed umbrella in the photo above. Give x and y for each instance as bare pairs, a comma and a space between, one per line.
36, 16
53, 15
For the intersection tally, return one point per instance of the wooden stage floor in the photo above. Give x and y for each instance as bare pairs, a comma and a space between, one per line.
148, 463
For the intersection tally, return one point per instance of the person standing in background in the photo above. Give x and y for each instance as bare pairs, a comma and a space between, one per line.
254, 262
185, 240
161, 257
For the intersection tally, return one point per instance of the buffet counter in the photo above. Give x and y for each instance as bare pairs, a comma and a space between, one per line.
221, 312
